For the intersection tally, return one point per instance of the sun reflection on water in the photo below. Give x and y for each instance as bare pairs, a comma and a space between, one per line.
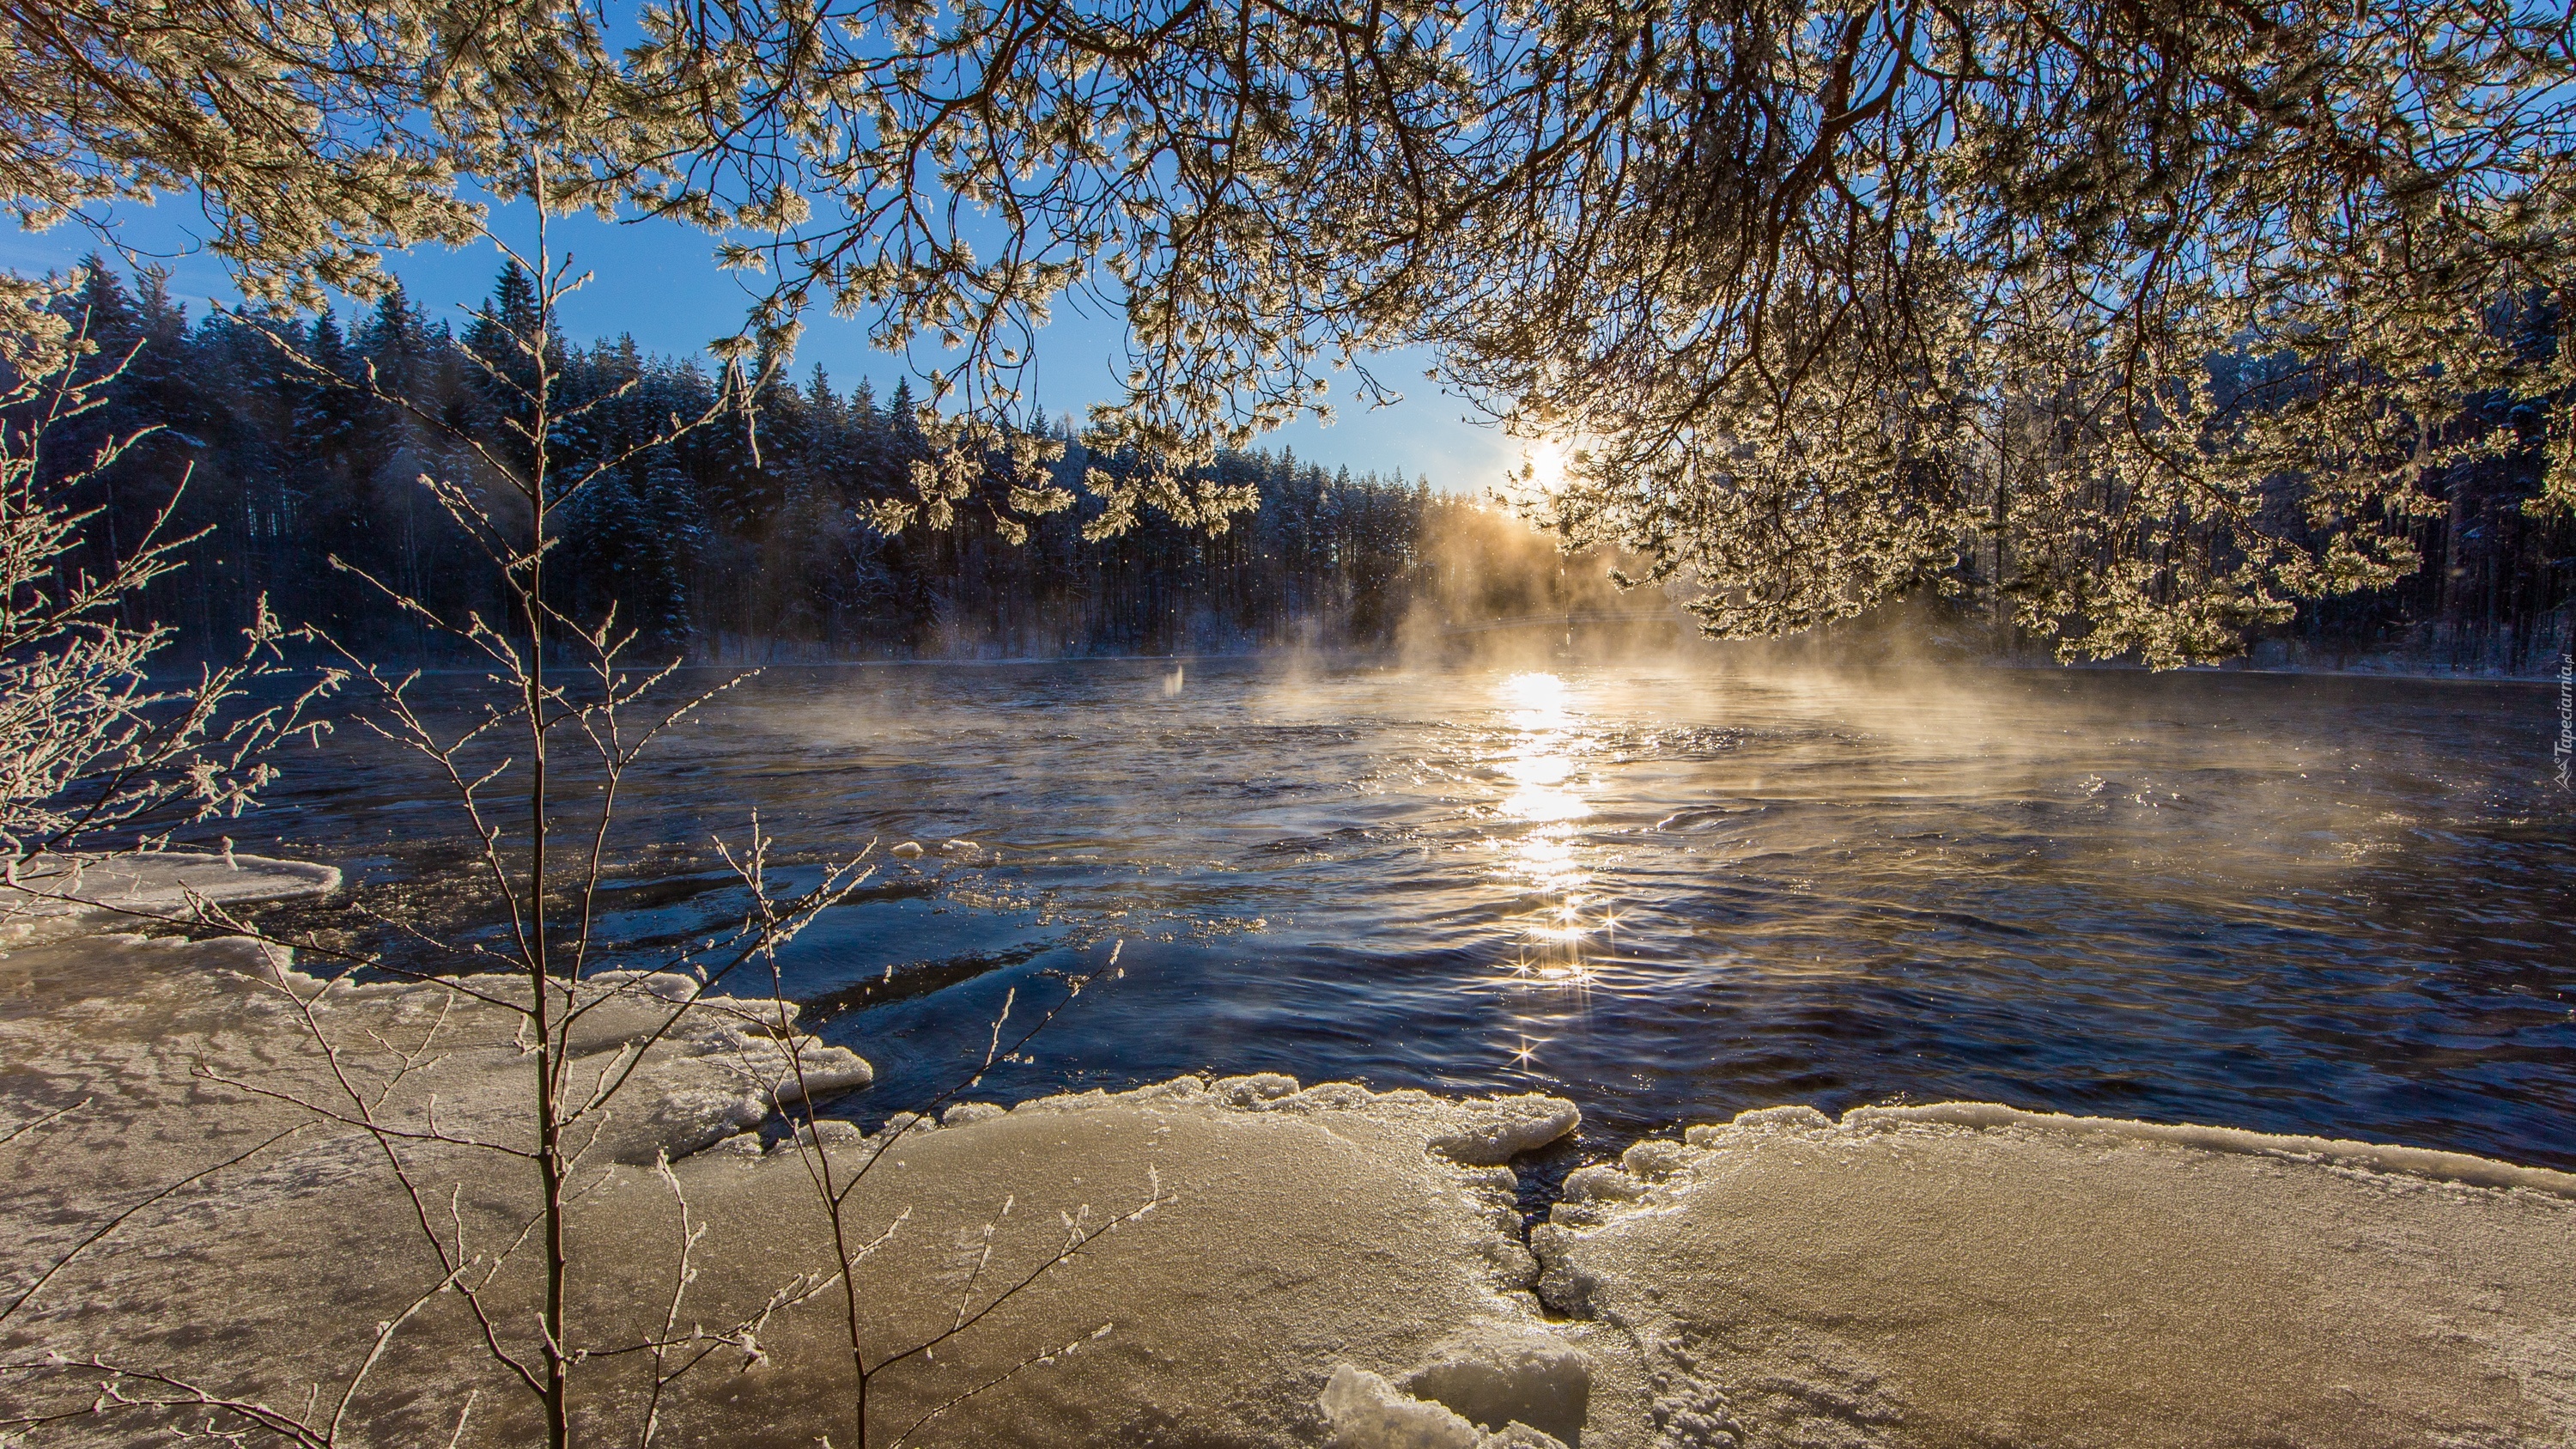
1540, 763
1540, 766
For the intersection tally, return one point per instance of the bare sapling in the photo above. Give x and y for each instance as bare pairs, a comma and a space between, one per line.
836, 1187
560, 689
536, 765
99, 753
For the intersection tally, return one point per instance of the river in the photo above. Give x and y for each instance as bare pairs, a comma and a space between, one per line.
1668, 891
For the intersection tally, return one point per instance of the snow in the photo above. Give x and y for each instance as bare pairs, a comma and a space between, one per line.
1367, 1412
722, 1069
2369, 1156
1299, 1264
1500, 1373
1295, 1232
1497, 1132
61, 891
1291, 1230
1969, 1273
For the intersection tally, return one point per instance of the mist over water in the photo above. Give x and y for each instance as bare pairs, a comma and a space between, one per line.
1669, 892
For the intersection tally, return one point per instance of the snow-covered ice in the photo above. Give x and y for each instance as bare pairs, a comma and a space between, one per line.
1320, 1265
1968, 1274
101, 893
1293, 1229
1367, 1412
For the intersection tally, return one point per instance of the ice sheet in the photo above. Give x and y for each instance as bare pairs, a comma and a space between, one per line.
1969, 1274
1293, 1230
1320, 1264
100, 894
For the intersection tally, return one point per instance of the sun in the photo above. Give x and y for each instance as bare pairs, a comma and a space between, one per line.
1544, 465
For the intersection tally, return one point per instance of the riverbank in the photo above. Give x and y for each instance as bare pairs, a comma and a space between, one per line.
1292, 1265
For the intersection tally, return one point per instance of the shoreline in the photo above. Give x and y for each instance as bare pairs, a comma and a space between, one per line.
1397, 658
1769, 1279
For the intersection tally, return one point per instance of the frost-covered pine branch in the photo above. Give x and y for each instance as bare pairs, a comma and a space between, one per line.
1783, 280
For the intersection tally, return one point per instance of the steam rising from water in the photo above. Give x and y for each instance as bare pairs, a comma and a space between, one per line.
1666, 891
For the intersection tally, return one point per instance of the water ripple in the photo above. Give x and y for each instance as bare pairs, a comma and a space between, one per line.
2330, 906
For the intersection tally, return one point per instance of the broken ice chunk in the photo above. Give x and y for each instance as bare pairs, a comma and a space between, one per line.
1496, 1374
1498, 1130
1367, 1412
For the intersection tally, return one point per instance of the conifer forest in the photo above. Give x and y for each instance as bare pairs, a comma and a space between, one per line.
749, 539
744, 539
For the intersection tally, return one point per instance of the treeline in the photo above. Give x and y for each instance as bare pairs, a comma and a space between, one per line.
707, 544
716, 548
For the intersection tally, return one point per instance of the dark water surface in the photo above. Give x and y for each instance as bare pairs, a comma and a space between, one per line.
2294, 904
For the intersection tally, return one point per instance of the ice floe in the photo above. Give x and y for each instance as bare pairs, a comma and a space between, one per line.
1969, 1273
1292, 1229
104, 893
1293, 1264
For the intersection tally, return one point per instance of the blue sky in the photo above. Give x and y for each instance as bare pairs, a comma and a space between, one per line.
658, 281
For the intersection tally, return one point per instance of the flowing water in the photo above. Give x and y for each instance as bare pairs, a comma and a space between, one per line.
2296, 904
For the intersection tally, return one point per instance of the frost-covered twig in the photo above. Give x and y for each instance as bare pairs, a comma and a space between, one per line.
835, 1190
111, 1396
91, 744
995, 1382
505, 772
